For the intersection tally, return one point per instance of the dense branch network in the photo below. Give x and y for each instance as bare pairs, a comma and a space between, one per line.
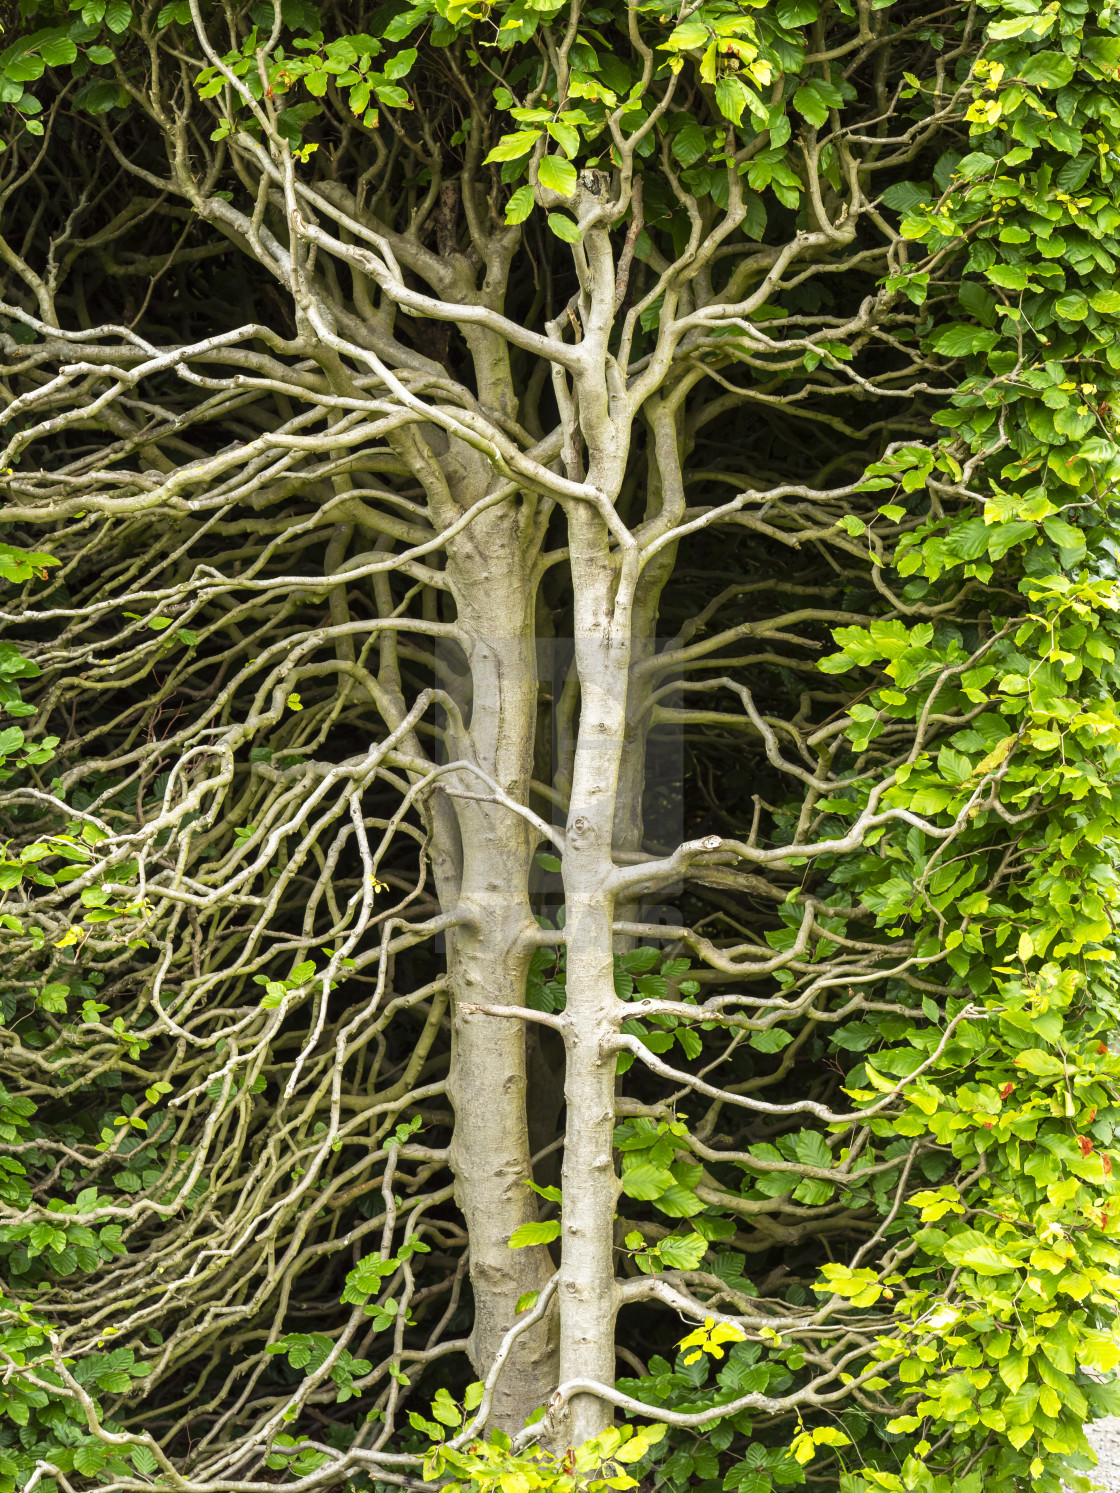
321, 652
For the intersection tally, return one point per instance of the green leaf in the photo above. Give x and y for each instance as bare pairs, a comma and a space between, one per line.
557, 175
953, 765
1009, 276
1039, 1062
118, 14
679, 1202
1006, 536
445, 1409
780, 131
689, 142
58, 51
903, 196
54, 997
978, 301
1065, 535
535, 1233
1047, 70
813, 1150
796, 12
771, 1040
520, 205
1004, 30
746, 1477
563, 227
113, 1383
24, 69
97, 97
1073, 307
405, 23
553, 1194
143, 1459
686, 37
641, 961
513, 147
646, 1181
566, 136
733, 96
682, 1252
90, 1459
960, 338
400, 65
985, 1260
975, 164
390, 95
814, 100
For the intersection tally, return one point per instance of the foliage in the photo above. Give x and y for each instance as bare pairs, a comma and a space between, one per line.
866, 1134
493, 1464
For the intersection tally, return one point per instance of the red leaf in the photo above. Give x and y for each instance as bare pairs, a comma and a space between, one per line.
1085, 1143
1003, 1093
1101, 1047
1106, 1162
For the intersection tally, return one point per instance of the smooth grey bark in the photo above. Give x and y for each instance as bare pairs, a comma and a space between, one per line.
491, 571
588, 1292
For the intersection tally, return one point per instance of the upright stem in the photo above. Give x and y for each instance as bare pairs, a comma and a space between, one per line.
588, 1293
489, 960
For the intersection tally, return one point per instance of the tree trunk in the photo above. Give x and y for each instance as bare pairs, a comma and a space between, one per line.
491, 578
588, 1293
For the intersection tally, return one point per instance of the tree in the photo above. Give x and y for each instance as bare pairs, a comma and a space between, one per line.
549, 788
